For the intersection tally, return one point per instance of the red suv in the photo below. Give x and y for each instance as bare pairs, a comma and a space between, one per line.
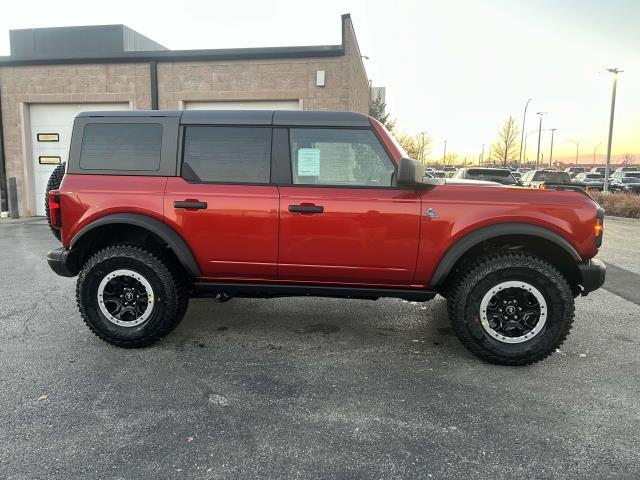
157, 207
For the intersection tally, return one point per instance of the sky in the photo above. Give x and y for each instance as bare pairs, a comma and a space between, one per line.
456, 69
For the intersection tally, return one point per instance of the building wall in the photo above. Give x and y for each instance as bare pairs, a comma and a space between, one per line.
24, 85
346, 88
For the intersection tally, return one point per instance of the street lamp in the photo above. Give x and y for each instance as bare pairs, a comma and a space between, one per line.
524, 120
577, 148
594, 154
615, 72
553, 130
540, 114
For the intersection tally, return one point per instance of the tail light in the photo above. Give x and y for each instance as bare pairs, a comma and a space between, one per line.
541, 186
599, 227
55, 214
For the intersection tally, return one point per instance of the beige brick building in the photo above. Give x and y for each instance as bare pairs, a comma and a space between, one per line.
46, 81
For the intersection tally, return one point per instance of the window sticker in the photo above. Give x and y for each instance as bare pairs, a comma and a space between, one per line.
309, 162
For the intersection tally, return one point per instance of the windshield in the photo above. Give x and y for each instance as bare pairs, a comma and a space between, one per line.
562, 177
593, 176
631, 180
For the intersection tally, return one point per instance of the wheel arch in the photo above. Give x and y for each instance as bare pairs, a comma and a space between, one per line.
535, 239
136, 224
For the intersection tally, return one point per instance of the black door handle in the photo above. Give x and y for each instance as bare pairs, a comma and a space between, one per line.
190, 204
306, 208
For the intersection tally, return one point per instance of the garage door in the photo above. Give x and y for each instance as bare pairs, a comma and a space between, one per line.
248, 105
51, 126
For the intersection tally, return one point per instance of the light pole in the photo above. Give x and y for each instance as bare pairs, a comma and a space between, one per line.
444, 157
553, 130
577, 149
615, 72
524, 120
594, 154
540, 114
481, 159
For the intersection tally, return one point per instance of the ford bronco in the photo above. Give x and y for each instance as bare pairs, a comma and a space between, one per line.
155, 207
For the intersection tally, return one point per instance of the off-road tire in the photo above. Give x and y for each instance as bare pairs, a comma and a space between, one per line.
170, 296
53, 184
471, 284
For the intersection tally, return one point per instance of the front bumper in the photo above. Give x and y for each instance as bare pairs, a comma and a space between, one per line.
593, 274
62, 262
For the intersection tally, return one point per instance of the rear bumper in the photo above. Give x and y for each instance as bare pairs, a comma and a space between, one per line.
62, 262
593, 274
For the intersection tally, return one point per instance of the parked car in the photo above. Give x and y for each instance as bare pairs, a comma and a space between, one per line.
438, 174
600, 170
573, 171
523, 170
625, 174
628, 168
626, 184
543, 178
517, 175
592, 181
156, 207
499, 175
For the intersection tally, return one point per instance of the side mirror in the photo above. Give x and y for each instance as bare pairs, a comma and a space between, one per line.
410, 172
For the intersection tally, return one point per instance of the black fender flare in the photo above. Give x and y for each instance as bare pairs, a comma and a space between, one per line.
480, 235
175, 242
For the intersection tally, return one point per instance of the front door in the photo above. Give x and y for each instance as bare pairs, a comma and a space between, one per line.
223, 204
342, 220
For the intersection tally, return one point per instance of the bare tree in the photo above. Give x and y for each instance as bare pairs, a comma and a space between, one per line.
505, 149
417, 146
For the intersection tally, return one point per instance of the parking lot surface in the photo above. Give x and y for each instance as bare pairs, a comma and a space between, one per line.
310, 388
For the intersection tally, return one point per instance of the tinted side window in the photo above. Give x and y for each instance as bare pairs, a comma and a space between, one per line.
121, 146
227, 154
328, 156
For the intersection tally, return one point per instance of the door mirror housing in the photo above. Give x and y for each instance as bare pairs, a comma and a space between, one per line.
410, 172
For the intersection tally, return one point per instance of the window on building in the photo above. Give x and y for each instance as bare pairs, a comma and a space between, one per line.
327, 156
227, 154
121, 146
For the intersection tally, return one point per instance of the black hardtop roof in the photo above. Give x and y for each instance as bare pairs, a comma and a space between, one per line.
247, 117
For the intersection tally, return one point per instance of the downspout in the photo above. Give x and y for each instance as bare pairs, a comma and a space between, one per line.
153, 74
4, 191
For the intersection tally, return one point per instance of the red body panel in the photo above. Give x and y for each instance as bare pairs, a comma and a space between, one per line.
85, 198
364, 235
236, 236
462, 209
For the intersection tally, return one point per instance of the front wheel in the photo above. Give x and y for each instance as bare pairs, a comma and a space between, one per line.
129, 297
511, 308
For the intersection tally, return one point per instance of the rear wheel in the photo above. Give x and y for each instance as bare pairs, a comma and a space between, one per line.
511, 308
129, 297
53, 184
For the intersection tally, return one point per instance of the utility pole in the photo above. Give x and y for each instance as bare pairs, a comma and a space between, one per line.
524, 120
540, 114
553, 130
615, 72
481, 159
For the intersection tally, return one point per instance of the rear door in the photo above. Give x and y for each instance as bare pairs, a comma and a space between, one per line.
223, 203
341, 218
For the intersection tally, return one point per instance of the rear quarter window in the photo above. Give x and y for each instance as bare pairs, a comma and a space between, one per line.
121, 146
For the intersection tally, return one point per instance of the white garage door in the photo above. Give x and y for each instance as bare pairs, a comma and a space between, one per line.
246, 105
51, 126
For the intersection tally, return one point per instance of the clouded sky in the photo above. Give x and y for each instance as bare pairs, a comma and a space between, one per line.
454, 68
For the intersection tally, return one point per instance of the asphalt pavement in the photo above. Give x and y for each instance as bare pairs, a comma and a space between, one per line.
309, 388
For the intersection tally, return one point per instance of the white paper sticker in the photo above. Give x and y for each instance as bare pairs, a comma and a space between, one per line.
308, 162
